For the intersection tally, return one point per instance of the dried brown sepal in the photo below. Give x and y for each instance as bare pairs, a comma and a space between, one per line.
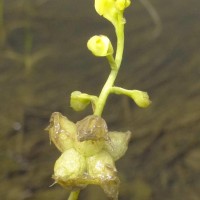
92, 127
71, 184
110, 186
62, 131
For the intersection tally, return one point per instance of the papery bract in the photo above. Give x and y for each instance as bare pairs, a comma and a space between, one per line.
118, 144
62, 131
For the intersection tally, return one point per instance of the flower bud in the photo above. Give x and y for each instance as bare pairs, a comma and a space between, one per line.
122, 4
140, 98
62, 132
78, 103
118, 144
100, 45
70, 165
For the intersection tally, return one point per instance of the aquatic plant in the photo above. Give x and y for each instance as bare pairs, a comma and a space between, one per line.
88, 149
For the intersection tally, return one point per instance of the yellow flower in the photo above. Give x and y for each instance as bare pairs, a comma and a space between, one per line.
122, 4
107, 9
100, 45
110, 9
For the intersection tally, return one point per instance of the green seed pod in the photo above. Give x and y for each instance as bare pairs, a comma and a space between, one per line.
100, 45
92, 127
101, 168
101, 165
62, 132
70, 166
77, 102
118, 144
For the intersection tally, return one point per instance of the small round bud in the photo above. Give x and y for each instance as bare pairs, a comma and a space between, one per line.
70, 165
78, 103
122, 4
100, 45
141, 98
118, 144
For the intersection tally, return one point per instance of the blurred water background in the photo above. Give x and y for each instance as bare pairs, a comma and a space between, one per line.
43, 58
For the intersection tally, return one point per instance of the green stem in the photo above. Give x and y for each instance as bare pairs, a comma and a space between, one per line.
74, 195
119, 29
120, 41
105, 92
112, 62
119, 90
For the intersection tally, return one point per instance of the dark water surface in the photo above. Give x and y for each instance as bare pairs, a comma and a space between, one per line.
44, 58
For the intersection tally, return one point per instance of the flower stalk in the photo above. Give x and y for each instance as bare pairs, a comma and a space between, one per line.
88, 149
115, 66
74, 195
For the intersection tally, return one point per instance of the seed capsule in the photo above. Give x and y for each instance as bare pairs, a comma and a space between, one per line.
70, 166
92, 128
118, 144
89, 147
102, 168
61, 131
